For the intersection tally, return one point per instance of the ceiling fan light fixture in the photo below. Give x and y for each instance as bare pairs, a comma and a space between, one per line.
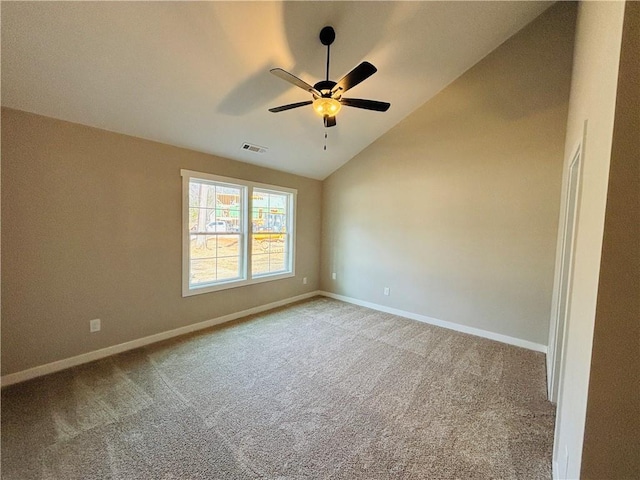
326, 106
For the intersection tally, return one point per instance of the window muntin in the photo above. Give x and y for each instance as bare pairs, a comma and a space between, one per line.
218, 215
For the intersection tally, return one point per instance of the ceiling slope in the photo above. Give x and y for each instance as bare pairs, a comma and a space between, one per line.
196, 74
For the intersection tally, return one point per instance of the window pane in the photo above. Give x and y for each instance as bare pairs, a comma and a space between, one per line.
194, 217
203, 246
215, 211
228, 268
206, 271
202, 271
228, 245
194, 194
214, 207
269, 221
259, 264
277, 262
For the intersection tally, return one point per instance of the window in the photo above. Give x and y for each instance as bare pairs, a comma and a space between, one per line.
235, 232
270, 238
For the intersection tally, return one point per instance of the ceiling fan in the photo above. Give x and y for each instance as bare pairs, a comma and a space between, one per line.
327, 94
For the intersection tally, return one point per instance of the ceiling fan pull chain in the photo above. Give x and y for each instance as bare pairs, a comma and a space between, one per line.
325, 141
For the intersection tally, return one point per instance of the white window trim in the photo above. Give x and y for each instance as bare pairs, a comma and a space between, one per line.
187, 175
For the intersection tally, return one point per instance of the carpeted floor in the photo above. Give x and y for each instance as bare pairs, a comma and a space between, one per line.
319, 389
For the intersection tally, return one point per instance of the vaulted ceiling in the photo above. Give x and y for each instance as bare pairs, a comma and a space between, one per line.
196, 74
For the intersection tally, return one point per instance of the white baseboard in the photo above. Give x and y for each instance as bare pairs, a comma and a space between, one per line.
63, 364
518, 342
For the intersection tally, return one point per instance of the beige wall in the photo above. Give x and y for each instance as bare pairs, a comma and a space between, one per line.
456, 208
92, 229
612, 430
593, 96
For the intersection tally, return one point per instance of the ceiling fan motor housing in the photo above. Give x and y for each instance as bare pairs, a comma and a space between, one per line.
324, 87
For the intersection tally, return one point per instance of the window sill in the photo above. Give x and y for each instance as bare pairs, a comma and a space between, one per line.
189, 292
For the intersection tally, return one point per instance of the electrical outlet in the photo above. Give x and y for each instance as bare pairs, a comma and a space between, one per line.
304, 280
334, 276
94, 325
386, 291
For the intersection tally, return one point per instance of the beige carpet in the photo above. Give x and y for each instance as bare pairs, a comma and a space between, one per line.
320, 389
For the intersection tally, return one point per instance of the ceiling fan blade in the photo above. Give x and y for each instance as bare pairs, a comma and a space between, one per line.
366, 104
284, 75
329, 121
354, 77
282, 108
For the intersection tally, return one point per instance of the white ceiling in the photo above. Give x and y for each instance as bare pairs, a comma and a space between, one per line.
196, 74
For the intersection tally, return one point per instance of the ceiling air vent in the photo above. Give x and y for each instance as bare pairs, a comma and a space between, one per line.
250, 147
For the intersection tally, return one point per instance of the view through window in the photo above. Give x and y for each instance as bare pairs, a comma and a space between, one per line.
217, 253
270, 239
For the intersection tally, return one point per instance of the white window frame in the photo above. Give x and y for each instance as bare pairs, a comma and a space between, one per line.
246, 274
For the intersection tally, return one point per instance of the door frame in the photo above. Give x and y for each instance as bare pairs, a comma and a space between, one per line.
564, 274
